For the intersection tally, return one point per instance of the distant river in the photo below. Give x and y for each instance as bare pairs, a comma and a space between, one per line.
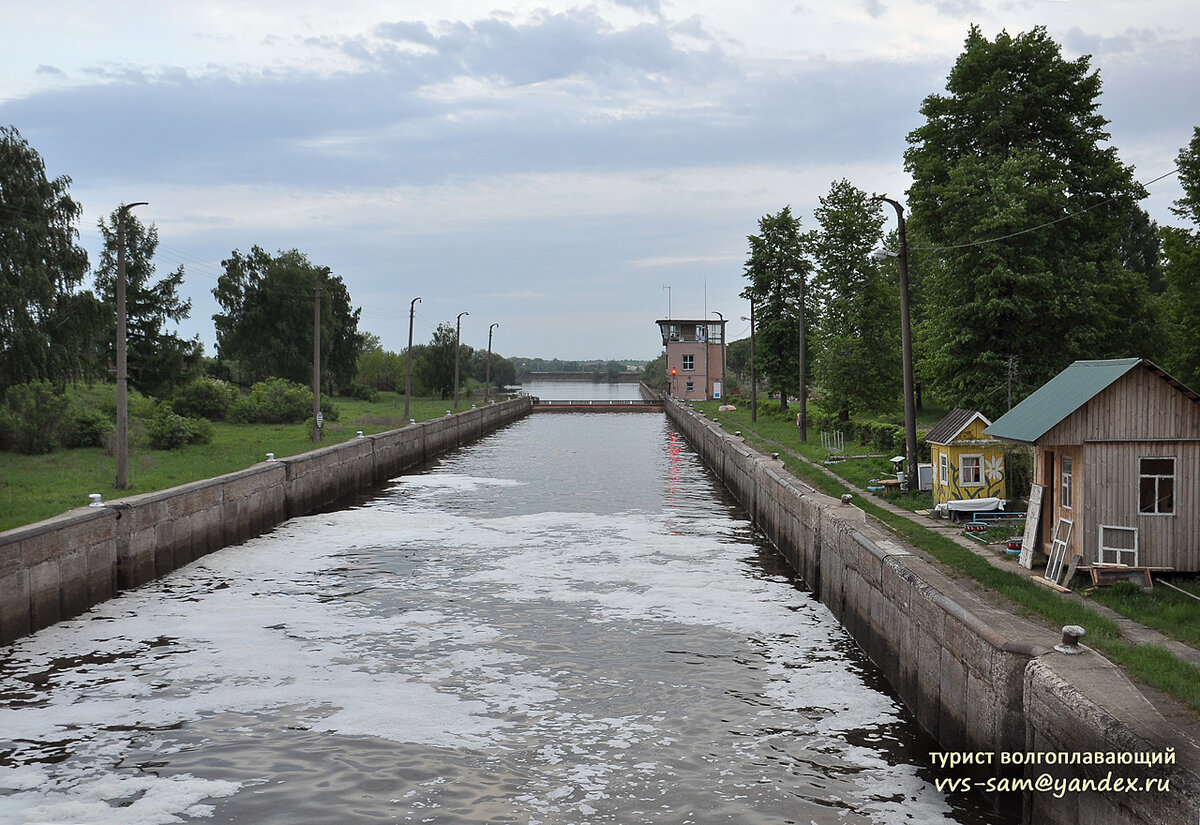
566, 622
581, 390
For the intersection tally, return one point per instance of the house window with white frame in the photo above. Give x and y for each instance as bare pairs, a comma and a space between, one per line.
688, 361
1156, 486
943, 468
970, 470
1066, 478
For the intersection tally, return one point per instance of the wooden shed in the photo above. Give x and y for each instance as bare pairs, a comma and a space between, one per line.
967, 462
1116, 465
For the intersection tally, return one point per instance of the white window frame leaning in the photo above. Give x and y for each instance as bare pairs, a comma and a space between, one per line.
962, 475
1158, 478
1110, 552
1067, 478
687, 361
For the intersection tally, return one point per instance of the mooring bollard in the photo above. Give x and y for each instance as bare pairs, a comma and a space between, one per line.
1072, 633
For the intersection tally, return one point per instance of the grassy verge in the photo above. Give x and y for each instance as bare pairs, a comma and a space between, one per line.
1150, 664
1170, 613
37, 487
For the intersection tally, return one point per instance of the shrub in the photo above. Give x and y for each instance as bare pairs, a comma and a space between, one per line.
360, 392
32, 414
888, 438
329, 410
86, 427
167, 430
205, 397
278, 401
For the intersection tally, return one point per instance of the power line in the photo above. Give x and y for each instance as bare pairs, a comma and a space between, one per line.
1039, 226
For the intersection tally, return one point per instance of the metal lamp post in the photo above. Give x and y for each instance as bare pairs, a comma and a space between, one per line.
487, 370
316, 430
457, 348
724, 390
122, 362
753, 368
910, 411
412, 311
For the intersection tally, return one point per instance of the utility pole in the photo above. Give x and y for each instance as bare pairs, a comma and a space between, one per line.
487, 370
802, 419
316, 432
457, 349
1010, 380
412, 311
122, 364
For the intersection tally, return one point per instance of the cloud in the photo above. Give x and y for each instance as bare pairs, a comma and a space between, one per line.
875, 8
954, 8
559, 92
653, 7
675, 260
563, 161
549, 47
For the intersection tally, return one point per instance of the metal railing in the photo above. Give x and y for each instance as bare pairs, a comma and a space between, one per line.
544, 402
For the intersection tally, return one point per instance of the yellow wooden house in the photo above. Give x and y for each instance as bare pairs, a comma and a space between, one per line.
967, 463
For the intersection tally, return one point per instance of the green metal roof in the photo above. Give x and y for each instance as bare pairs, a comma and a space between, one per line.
1058, 398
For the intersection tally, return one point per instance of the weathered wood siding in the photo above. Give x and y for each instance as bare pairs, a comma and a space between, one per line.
1139, 416
1163, 540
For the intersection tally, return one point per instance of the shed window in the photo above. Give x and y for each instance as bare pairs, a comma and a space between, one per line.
689, 361
943, 468
1066, 481
1156, 486
970, 470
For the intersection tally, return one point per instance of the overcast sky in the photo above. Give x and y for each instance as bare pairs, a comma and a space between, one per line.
549, 166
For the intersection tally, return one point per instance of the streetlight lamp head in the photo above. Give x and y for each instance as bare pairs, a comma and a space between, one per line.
880, 254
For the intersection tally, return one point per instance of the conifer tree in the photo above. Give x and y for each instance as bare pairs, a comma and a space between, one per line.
778, 272
859, 366
159, 360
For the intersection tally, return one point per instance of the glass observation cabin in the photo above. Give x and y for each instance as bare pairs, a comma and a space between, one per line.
688, 331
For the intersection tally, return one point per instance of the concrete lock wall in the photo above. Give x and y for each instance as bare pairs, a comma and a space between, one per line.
979, 679
59, 567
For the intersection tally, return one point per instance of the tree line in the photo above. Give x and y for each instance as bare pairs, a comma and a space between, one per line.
1027, 250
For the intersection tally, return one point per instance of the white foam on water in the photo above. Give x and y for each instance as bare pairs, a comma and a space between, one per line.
286, 628
115, 799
